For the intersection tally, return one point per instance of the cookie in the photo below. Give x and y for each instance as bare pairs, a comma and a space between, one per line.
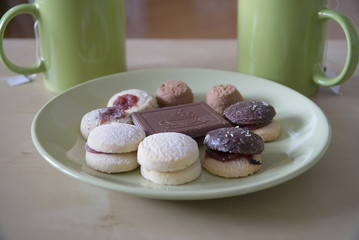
115, 138
222, 96
269, 132
234, 140
167, 152
173, 93
169, 158
254, 116
112, 147
133, 100
232, 152
173, 178
111, 163
240, 167
249, 113
102, 116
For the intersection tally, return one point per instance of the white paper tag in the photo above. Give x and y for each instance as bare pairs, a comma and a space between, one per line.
335, 89
17, 80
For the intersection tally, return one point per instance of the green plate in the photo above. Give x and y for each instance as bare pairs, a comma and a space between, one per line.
304, 138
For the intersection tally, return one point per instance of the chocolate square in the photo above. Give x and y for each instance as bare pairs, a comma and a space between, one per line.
194, 119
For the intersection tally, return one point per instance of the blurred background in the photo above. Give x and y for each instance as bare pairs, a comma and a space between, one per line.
179, 18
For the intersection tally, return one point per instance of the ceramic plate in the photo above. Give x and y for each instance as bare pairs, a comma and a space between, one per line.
304, 138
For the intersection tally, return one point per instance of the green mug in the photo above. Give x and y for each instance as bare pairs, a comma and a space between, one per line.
79, 40
284, 41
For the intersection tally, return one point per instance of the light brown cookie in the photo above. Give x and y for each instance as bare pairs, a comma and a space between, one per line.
222, 96
173, 92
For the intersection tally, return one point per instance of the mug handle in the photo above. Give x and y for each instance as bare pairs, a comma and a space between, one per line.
352, 53
7, 17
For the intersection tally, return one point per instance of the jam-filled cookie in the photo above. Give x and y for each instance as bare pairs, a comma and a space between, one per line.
232, 152
133, 100
112, 147
102, 116
256, 116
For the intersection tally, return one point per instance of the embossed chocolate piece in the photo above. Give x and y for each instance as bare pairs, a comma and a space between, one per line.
194, 119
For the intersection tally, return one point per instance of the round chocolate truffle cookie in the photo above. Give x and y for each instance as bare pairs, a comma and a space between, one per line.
173, 93
222, 96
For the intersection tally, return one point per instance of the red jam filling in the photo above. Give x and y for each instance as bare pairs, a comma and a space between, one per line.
254, 126
126, 101
225, 157
111, 113
91, 150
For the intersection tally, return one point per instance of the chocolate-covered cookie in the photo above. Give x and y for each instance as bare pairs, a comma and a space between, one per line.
232, 152
234, 140
256, 116
250, 113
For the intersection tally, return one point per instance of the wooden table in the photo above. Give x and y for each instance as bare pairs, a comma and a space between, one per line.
39, 202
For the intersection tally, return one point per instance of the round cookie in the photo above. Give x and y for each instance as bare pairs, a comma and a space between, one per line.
112, 163
173, 178
249, 113
222, 96
167, 152
169, 158
240, 167
269, 132
234, 140
102, 116
133, 100
173, 93
256, 116
232, 152
115, 138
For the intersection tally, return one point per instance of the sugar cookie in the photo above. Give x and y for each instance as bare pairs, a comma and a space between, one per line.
168, 158
112, 163
173, 178
112, 147
115, 138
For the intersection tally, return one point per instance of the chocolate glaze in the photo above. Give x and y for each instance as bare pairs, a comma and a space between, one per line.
250, 113
234, 140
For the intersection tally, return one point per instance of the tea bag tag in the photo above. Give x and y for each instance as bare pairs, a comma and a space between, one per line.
335, 89
17, 80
